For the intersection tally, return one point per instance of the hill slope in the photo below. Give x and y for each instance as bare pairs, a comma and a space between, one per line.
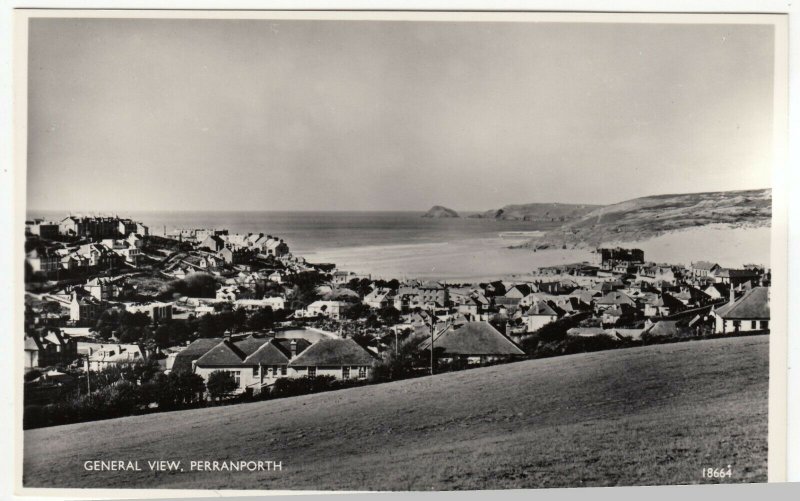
538, 212
648, 415
647, 217
438, 211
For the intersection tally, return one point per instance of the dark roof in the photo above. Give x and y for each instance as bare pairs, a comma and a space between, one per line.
250, 344
704, 265
541, 308
472, 338
507, 301
224, 354
269, 353
616, 298
737, 273
198, 348
333, 352
753, 305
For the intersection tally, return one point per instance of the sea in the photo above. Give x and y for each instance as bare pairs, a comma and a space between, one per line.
405, 245
400, 245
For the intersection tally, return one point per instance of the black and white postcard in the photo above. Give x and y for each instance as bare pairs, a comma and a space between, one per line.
398, 251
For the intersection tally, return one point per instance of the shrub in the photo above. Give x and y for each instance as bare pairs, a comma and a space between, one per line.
220, 384
290, 387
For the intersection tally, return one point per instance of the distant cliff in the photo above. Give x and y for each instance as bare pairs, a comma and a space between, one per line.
538, 212
437, 211
647, 217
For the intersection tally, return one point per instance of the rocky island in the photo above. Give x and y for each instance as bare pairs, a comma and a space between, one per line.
437, 211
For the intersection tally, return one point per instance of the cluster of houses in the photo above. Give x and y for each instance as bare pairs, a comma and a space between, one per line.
92, 227
111, 249
621, 295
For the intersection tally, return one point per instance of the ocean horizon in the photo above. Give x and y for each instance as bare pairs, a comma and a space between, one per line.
405, 245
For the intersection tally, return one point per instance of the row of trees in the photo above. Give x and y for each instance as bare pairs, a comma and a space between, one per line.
120, 391
136, 327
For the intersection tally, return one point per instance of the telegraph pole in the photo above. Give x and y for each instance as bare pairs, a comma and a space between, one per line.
433, 330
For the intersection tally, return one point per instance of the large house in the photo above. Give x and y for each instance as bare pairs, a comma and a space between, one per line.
748, 313
473, 343
340, 358
257, 363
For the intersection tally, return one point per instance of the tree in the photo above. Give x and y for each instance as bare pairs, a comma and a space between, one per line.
356, 311
261, 319
362, 286
208, 327
220, 384
172, 332
305, 288
389, 315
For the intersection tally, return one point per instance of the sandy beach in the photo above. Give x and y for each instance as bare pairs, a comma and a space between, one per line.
482, 259
464, 260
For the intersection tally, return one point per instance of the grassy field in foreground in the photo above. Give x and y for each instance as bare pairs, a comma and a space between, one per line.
649, 415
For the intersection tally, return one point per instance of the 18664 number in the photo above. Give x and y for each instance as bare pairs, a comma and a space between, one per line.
717, 472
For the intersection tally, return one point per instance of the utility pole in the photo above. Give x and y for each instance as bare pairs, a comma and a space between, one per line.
433, 331
88, 384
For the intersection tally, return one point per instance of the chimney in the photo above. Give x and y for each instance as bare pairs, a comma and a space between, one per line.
293, 349
732, 295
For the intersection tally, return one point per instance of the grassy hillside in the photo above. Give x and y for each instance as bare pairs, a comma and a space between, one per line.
647, 217
538, 212
646, 415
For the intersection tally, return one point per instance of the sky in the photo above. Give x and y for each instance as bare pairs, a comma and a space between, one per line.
148, 114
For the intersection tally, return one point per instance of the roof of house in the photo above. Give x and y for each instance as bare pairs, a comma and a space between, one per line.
704, 265
728, 273
225, 353
269, 353
615, 298
664, 328
198, 348
250, 344
333, 352
541, 308
753, 305
472, 338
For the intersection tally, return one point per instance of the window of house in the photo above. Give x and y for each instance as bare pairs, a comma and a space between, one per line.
283, 370
255, 371
345, 372
362, 372
312, 372
753, 325
765, 324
